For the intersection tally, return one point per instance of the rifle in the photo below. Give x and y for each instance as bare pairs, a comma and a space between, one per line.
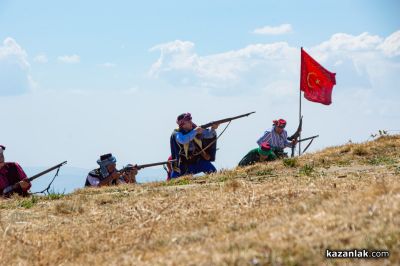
298, 131
47, 171
131, 167
313, 137
209, 152
296, 135
226, 120
11, 188
308, 145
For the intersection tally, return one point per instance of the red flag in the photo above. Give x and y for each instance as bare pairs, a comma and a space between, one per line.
315, 80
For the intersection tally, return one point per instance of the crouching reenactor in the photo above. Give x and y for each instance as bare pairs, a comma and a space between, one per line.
107, 174
260, 154
12, 178
189, 148
277, 138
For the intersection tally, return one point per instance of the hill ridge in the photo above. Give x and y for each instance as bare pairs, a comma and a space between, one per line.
280, 213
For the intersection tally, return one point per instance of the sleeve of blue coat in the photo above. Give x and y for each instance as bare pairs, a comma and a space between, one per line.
209, 133
185, 138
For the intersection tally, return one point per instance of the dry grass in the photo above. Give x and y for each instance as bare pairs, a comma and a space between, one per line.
268, 214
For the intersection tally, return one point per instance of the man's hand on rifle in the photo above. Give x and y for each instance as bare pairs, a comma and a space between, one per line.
134, 170
115, 175
23, 184
130, 175
214, 126
109, 179
294, 141
199, 130
205, 156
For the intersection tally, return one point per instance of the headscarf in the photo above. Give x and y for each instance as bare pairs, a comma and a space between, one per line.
181, 119
279, 123
104, 161
264, 149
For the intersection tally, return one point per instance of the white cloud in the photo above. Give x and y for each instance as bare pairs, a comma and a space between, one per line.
362, 60
343, 41
228, 72
338, 62
274, 30
178, 55
41, 58
14, 69
108, 65
69, 59
11, 50
365, 60
391, 45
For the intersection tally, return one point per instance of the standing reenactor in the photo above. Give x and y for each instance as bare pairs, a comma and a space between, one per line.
12, 178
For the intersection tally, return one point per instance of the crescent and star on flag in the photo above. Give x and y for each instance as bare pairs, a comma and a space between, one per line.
314, 79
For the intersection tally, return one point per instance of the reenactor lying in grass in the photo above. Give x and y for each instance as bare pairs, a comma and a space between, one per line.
260, 154
12, 178
107, 174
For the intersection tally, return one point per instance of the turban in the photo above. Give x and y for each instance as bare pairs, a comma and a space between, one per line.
279, 123
104, 161
183, 118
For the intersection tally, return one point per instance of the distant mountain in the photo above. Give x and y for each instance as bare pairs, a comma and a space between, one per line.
68, 179
71, 178
153, 174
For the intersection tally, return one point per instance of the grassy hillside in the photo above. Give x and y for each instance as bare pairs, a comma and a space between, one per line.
282, 213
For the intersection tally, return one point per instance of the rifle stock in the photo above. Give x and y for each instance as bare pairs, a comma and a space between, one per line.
296, 135
298, 131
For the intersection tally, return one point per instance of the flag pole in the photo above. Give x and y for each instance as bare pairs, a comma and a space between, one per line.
300, 103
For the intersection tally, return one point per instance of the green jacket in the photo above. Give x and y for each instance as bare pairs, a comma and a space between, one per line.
253, 157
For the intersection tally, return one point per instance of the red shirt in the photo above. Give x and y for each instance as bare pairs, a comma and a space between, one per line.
10, 174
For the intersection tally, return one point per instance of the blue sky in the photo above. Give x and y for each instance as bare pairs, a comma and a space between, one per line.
82, 78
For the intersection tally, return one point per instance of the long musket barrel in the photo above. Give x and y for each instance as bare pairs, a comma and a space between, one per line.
225, 120
309, 144
154, 164
141, 166
305, 139
47, 171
